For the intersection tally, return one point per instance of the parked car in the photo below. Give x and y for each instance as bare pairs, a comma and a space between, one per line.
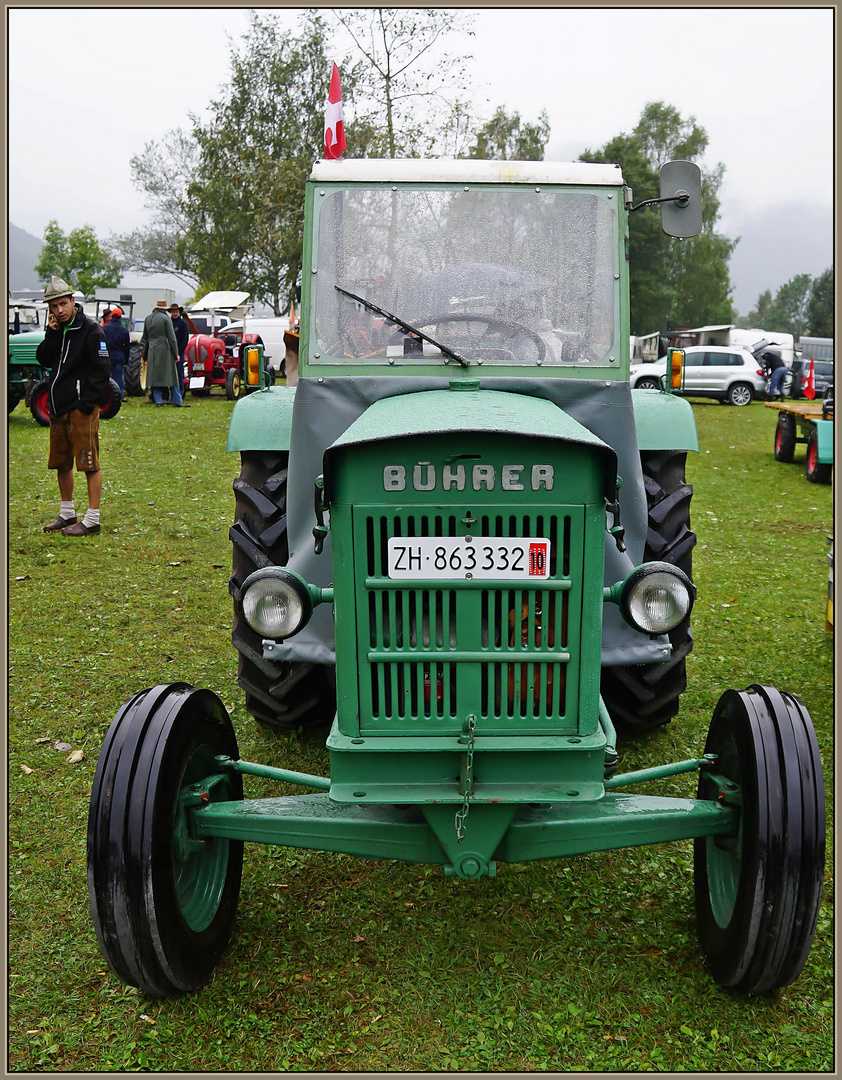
730, 374
822, 374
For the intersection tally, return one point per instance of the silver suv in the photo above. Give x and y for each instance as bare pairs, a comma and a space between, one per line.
729, 373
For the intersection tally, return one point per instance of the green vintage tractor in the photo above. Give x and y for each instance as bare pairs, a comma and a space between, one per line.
464, 541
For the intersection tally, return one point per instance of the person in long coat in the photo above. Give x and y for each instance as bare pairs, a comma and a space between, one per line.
159, 343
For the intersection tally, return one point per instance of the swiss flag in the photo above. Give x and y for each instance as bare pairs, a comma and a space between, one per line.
810, 384
334, 128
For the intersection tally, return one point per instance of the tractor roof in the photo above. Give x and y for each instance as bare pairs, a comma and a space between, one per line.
451, 171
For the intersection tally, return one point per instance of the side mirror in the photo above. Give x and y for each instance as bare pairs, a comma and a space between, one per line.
681, 198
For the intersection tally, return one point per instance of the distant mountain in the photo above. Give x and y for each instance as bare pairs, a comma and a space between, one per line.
24, 253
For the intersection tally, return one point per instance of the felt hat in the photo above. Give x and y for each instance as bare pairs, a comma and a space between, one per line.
57, 287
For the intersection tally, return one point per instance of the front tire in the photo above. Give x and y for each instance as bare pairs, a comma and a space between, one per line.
644, 696
288, 694
163, 907
646, 383
785, 438
758, 892
740, 394
232, 384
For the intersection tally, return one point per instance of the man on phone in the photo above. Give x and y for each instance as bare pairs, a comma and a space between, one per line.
74, 347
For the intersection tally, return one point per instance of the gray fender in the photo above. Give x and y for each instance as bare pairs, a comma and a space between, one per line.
262, 420
663, 421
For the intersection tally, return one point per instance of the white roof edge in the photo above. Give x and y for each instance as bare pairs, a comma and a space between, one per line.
449, 170
223, 299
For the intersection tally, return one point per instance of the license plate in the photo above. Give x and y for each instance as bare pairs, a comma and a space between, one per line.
502, 558
197, 382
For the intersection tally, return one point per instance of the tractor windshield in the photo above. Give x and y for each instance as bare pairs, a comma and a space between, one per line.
505, 276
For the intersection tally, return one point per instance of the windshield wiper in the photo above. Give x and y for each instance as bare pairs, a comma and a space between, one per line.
408, 328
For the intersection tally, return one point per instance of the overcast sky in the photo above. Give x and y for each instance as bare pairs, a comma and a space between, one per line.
88, 88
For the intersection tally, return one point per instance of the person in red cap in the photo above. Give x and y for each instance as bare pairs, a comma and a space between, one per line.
119, 342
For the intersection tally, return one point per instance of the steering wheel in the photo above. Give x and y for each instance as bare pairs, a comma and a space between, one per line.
488, 320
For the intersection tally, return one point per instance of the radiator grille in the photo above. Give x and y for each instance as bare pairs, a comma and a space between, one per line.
431, 653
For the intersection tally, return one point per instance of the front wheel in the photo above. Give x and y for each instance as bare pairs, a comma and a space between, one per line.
232, 384
758, 891
163, 904
740, 394
815, 472
646, 383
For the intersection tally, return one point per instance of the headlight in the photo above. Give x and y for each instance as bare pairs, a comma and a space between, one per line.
276, 603
656, 597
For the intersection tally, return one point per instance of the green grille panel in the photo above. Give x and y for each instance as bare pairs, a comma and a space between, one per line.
430, 653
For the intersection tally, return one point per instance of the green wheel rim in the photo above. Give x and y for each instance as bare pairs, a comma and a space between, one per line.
200, 879
724, 853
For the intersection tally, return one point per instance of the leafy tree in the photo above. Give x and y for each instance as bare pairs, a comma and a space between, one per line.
663, 135
505, 137
671, 281
788, 313
229, 196
650, 297
403, 100
820, 305
78, 258
163, 172
759, 314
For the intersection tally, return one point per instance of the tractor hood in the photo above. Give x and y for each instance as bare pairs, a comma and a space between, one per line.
465, 408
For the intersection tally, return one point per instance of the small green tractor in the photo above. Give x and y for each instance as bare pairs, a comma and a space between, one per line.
464, 541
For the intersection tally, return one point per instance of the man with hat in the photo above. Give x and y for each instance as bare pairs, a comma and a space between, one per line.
182, 337
158, 339
75, 350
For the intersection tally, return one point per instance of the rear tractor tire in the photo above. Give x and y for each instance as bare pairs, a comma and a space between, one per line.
640, 697
39, 403
131, 371
287, 694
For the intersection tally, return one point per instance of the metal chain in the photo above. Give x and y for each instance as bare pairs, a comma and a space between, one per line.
462, 813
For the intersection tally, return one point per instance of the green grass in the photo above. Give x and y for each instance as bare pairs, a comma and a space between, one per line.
339, 964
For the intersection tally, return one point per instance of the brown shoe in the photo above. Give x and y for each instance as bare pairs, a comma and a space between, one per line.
60, 523
80, 529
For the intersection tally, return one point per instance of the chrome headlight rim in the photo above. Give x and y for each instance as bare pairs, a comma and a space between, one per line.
633, 583
285, 582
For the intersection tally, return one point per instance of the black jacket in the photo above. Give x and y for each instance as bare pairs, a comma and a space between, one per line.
117, 337
182, 335
772, 362
81, 367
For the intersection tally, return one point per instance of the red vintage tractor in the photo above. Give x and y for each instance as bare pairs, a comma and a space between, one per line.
217, 361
